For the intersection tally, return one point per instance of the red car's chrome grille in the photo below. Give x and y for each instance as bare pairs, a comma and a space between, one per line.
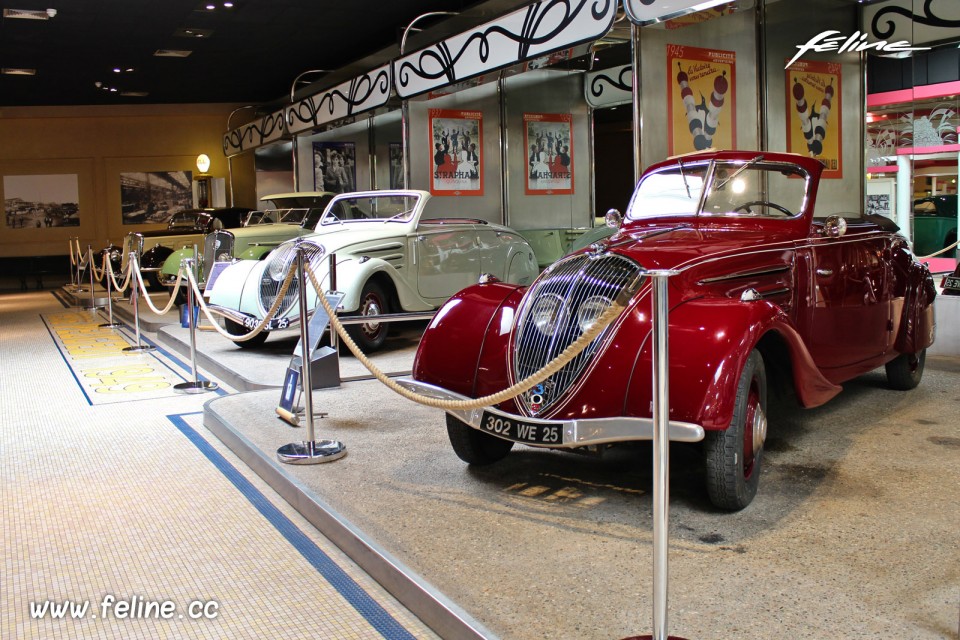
555, 311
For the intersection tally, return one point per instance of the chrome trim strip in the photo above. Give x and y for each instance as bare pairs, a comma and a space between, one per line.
747, 274
576, 433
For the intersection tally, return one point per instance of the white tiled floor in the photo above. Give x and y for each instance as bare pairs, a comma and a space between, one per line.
114, 499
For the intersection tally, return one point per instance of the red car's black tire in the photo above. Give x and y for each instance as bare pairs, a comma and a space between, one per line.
473, 446
733, 461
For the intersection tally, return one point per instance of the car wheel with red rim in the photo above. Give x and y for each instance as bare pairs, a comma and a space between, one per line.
734, 456
370, 336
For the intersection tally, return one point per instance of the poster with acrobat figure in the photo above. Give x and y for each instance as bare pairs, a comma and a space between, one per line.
813, 113
701, 99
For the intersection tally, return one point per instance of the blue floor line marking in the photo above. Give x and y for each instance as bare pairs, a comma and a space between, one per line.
63, 357
366, 606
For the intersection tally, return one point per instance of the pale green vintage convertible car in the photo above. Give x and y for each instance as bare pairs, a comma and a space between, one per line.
296, 214
396, 251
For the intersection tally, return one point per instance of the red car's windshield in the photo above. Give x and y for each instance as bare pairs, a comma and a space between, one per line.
733, 189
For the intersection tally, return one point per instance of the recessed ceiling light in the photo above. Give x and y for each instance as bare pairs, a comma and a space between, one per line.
228, 5
211, 7
7, 71
193, 32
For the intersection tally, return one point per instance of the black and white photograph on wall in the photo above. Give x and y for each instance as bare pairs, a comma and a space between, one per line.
548, 140
41, 201
334, 167
456, 138
396, 165
152, 197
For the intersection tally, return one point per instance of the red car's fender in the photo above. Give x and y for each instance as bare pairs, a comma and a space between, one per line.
710, 341
465, 335
917, 323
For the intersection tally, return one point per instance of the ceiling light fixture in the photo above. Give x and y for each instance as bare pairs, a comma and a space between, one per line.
171, 53
29, 14
11, 71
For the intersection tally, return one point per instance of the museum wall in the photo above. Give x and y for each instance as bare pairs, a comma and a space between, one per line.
731, 33
557, 94
97, 144
483, 99
790, 24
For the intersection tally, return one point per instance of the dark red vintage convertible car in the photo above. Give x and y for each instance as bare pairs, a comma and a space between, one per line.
767, 299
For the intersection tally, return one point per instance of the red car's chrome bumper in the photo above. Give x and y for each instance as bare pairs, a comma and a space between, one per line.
569, 433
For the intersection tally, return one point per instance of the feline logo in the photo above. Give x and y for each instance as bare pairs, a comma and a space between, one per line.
831, 40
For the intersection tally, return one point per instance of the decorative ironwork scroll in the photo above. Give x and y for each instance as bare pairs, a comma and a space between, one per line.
609, 87
254, 134
365, 92
531, 32
893, 21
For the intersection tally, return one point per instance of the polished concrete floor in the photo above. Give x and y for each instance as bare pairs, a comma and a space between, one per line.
853, 534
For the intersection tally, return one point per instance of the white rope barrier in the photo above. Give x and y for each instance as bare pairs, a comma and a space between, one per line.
944, 250
128, 274
146, 296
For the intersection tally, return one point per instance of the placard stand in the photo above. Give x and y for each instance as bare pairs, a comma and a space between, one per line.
309, 451
135, 293
196, 385
661, 454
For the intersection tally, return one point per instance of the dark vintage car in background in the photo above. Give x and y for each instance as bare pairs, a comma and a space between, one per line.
767, 299
934, 225
185, 229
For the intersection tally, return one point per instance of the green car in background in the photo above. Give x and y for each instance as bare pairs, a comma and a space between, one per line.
296, 214
934, 225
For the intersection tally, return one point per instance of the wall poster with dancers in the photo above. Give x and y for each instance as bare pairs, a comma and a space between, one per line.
548, 139
456, 168
701, 98
813, 113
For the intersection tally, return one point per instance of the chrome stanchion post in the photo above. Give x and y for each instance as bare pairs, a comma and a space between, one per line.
79, 288
310, 451
93, 300
135, 292
661, 453
73, 263
109, 279
197, 385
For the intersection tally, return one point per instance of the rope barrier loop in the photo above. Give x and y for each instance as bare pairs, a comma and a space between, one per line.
143, 287
581, 343
936, 253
